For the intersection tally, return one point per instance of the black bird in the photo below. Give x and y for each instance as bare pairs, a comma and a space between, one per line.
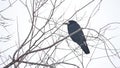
78, 37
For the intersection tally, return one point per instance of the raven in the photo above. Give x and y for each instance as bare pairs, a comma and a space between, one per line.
78, 37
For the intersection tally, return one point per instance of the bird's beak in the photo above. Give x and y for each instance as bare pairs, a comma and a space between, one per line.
65, 23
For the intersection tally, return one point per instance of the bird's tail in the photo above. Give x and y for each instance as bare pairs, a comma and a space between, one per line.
85, 48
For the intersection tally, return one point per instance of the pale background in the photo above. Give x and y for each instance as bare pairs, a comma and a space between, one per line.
109, 12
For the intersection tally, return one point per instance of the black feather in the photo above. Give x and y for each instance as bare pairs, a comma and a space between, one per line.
78, 37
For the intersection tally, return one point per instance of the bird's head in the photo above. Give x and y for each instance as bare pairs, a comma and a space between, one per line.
71, 22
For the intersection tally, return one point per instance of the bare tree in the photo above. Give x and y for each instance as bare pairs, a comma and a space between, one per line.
47, 44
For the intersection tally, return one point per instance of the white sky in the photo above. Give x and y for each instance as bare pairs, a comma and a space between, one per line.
109, 12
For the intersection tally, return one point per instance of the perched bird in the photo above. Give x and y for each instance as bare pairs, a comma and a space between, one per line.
78, 37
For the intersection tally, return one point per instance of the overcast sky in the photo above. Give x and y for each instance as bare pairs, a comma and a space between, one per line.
109, 12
